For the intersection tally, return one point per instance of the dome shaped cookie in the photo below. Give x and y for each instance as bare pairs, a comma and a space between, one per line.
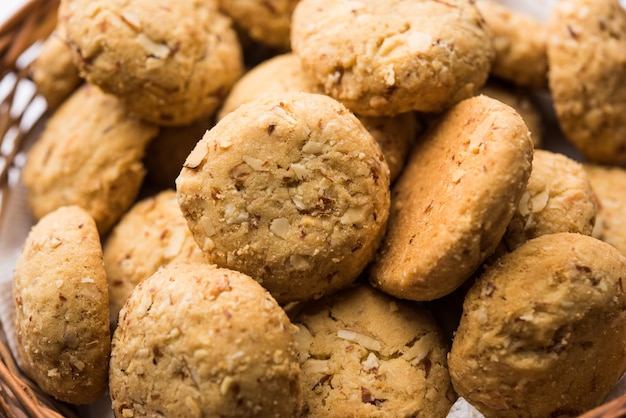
366, 354
543, 330
172, 62
194, 341
289, 189
384, 58
61, 307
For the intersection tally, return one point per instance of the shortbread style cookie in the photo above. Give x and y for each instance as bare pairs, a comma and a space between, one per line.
289, 189
195, 340
283, 74
609, 184
520, 44
543, 330
61, 307
366, 354
172, 62
586, 44
150, 235
558, 198
89, 155
267, 22
454, 199
384, 58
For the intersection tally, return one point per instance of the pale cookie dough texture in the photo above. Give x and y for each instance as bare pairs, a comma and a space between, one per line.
61, 307
558, 198
384, 58
283, 74
198, 341
454, 199
586, 44
89, 155
520, 44
172, 61
150, 235
291, 190
366, 354
543, 330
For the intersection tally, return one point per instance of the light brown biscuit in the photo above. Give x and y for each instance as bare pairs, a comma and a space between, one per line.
89, 155
558, 198
61, 307
198, 341
454, 199
543, 331
289, 189
172, 61
384, 58
520, 44
608, 184
151, 234
587, 78
366, 354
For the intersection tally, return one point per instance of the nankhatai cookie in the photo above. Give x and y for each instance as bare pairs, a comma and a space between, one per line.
172, 62
150, 235
558, 198
89, 154
586, 44
197, 341
366, 354
543, 330
384, 58
290, 189
61, 307
520, 44
453, 201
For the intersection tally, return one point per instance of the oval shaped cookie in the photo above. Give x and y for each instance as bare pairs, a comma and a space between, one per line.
62, 307
454, 199
543, 330
197, 341
289, 189
384, 58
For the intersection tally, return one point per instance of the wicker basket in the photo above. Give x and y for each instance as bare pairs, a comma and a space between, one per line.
19, 396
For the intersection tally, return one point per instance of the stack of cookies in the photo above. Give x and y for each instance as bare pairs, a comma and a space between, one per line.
327, 208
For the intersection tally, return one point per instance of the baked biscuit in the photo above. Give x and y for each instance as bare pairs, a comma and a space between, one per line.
384, 58
543, 330
520, 44
89, 154
586, 46
558, 198
366, 354
454, 199
289, 189
61, 307
197, 341
172, 62
150, 235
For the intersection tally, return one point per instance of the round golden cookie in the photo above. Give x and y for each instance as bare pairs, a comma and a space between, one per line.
520, 44
586, 44
454, 199
151, 234
283, 74
366, 354
89, 155
61, 307
197, 341
543, 330
384, 58
289, 189
172, 62
558, 198
609, 184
